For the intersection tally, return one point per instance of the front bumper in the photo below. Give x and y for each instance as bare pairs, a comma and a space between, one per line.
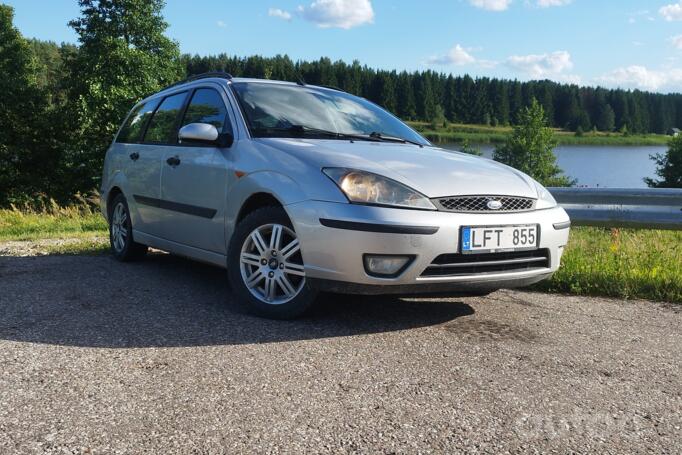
333, 251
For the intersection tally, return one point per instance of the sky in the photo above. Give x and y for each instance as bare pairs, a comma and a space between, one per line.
612, 43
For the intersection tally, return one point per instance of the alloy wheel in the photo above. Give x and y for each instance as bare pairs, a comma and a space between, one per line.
119, 227
271, 264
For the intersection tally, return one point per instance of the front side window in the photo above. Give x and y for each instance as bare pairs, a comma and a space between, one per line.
132, 130
282, 110
207, 106
162, 125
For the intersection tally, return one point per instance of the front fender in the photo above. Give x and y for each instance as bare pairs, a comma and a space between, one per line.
278, 185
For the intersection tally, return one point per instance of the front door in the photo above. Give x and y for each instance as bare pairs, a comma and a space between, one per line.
194, 179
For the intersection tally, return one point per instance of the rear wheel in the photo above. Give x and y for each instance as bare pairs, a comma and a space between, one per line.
265, 266
123, 246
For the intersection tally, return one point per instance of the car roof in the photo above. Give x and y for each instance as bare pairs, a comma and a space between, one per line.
226, 81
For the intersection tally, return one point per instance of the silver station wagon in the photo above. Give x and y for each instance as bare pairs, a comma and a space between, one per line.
297, 189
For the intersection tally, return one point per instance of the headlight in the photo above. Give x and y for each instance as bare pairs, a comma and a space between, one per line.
545, 198
366, 188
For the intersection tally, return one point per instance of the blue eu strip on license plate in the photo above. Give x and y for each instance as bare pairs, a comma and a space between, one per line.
466, 238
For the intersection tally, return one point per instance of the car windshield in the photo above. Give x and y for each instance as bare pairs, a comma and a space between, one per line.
282, 110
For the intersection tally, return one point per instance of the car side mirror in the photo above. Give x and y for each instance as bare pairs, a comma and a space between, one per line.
204, 133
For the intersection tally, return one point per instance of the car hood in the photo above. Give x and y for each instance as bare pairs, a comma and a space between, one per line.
432, 171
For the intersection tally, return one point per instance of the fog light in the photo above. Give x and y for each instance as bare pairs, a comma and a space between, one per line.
386, 265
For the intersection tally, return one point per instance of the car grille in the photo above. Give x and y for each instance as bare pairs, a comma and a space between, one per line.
475, 264
480, 203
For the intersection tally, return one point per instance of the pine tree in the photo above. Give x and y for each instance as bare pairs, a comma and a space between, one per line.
607, 118
405, 97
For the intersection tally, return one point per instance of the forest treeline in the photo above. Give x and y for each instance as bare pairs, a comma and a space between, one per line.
61, 104
429, 96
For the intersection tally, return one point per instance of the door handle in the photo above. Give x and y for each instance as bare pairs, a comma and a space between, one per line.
173, 161
134, 156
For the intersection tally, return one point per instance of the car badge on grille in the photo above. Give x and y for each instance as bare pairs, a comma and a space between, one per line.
494, 204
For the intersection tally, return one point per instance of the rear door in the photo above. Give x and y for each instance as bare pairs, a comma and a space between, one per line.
195, 177
142, 166
144, 171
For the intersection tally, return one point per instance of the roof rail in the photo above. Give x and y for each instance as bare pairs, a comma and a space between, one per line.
195, 77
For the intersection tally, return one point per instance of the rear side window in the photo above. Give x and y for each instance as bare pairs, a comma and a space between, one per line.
134, 125
207, 107
162, 125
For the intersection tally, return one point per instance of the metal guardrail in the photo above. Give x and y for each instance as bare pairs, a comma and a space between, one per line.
648, 208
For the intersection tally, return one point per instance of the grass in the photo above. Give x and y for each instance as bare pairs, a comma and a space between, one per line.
623, 263
483, 134
48, 220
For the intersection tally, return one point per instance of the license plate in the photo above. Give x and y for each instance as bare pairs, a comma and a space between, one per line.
491, 239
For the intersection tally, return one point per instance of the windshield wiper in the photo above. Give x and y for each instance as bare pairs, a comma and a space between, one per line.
302, 130
384, 137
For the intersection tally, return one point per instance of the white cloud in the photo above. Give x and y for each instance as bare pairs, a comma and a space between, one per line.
338, 13
672, 12
455, 56
491, 5
636, 76
677, 41
221, 24
548, 3
641, 14
276, 12
541, 65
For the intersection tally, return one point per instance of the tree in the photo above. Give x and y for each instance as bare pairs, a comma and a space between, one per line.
529, 148
669, 166
26, 155
470, 149
405, 97
607, 118
437, 117
124, 56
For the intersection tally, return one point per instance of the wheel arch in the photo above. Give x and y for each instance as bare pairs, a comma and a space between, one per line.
111, 195
256, 190
255, 202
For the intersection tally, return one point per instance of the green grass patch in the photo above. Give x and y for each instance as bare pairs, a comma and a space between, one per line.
51, 221
623, 263
483, 134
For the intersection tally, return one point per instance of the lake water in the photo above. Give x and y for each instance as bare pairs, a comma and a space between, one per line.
599, 166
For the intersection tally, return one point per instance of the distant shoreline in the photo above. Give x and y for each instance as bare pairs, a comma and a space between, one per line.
482, 134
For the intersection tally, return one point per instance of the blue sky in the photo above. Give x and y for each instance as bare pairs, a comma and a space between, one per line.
626, 43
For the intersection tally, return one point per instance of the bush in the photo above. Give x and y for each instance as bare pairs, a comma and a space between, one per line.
669, 166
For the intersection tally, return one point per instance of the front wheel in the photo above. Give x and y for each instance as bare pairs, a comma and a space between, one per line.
265, 266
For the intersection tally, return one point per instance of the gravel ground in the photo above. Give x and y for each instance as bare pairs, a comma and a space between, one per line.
152, 357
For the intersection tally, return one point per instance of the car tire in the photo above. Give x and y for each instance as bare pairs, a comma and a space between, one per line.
268, 276
123, 246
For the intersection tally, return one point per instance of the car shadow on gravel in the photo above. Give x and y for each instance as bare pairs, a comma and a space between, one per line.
167, 301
